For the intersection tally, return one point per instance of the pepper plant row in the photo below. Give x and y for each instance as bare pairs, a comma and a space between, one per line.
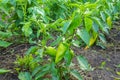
53, 26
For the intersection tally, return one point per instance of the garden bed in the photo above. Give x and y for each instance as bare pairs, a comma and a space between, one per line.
104, 61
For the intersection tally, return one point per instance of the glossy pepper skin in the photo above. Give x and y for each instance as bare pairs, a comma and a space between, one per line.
51, 51
60, 52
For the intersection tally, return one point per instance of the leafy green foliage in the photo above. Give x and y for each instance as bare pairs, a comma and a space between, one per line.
35, 19
4, 44
26, 63
2, 71
56, 67
53, 26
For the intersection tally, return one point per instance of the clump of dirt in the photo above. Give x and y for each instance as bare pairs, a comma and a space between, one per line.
95, 55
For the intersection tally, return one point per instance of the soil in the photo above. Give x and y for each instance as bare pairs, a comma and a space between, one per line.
104, 61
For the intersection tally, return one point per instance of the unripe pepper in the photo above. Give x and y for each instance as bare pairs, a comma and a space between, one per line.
60, 52
51, 51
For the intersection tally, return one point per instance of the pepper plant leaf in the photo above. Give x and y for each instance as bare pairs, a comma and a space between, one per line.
84, 35
66, 26
88, 23
83, 63
27, 29
4, 44
76, 74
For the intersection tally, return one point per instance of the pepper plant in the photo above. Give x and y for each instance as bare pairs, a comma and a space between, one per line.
53, 26
57, 65
32, 20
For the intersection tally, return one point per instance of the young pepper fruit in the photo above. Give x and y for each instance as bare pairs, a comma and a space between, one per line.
51, 51
60, 52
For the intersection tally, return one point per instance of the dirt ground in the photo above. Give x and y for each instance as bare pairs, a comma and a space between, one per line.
104, 61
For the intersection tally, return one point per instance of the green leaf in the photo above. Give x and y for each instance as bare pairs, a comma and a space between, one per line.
109, 22
92, 39
20, 13
76, 74
5, 1
41, 74
83, 63
38, 33
27, 29
84, 35
98, 21
44, 70
103, 16
102, 64
101, 24
88, 23
5, 9
32, 49
29, 1
76, 22
57, 41
95, 27
118, 65
36, 70
107, 12
118, 73
2, 71
46, 79
54, 72
76, 43
5, 34
13, 2
68, 57
24, 76
40, 52
2, 24
101, 44
36, 10
102, 38
66, 26
4, 44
